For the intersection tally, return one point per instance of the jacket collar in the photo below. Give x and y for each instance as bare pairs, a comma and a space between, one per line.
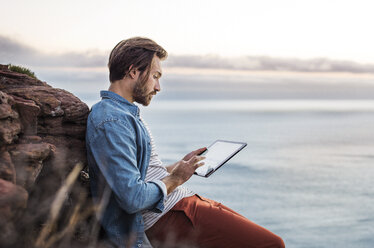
113, 96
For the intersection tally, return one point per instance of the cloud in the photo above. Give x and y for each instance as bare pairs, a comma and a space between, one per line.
12, 51
261, 63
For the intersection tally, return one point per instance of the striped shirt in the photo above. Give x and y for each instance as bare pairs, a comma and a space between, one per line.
156, 170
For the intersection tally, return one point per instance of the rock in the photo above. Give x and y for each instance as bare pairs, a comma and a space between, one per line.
6, 110
7, 170
57, 127
32, 139
42, 137
10, 79
43, 96
23, 153
28, 160
33, 108
10, 126
12, 199
28, 112
53, 102
9, 130
67, 148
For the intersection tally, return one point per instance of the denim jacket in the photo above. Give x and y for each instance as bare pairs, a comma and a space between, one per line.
118, 153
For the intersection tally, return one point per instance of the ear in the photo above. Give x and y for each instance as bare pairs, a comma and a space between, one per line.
132, 71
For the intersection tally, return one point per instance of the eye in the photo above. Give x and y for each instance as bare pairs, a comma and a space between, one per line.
155, 76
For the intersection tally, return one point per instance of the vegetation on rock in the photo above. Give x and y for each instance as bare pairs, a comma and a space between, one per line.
21, 69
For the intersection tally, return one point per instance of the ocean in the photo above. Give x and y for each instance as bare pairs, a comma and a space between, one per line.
306, 173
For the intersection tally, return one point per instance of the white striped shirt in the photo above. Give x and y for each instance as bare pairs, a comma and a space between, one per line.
156, 170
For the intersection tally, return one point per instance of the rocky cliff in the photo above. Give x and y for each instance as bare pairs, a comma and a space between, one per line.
42, 133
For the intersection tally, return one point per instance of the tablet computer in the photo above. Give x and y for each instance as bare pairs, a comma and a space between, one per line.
217, 154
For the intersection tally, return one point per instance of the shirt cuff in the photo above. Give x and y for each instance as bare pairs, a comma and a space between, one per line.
159, 207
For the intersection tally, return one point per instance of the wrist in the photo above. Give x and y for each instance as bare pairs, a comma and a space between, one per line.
171, 182
178, 180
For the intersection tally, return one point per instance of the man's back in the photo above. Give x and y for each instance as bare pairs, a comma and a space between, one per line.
118, 151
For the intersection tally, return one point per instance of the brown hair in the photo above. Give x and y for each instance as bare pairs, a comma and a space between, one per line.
136, 51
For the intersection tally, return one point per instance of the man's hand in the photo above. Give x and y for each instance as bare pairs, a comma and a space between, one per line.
185, 169
194, 153
182, 170
186, 158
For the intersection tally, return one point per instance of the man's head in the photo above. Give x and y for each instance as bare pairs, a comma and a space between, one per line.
134, 55
147, 84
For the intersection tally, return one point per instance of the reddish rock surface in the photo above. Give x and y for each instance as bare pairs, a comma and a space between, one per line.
42, 133
7, 170
13, 201
12, 198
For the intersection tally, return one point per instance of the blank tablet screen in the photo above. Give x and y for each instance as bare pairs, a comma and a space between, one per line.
217, 154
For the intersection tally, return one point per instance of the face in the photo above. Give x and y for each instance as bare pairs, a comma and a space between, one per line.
145, 89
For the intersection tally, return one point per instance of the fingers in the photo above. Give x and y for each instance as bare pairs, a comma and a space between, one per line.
195, 159
199, 165
194, 162
194, 153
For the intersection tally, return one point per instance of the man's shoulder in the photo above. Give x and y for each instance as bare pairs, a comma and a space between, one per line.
109, 111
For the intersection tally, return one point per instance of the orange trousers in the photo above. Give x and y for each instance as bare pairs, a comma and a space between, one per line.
199, 222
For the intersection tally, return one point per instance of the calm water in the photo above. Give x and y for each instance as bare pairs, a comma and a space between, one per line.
306, 174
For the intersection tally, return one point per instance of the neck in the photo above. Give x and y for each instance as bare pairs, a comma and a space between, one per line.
123, 89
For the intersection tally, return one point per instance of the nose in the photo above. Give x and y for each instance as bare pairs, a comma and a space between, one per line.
157, 86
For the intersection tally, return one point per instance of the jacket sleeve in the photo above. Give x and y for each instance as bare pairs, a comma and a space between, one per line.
113, 148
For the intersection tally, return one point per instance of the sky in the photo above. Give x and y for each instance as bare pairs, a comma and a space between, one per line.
289, 49
337, 30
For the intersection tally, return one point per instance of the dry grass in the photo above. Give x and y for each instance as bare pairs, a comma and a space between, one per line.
53, 234
44, 240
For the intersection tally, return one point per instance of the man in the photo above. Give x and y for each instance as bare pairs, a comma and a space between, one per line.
144, 195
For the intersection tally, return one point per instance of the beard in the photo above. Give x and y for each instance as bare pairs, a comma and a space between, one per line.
141, 94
